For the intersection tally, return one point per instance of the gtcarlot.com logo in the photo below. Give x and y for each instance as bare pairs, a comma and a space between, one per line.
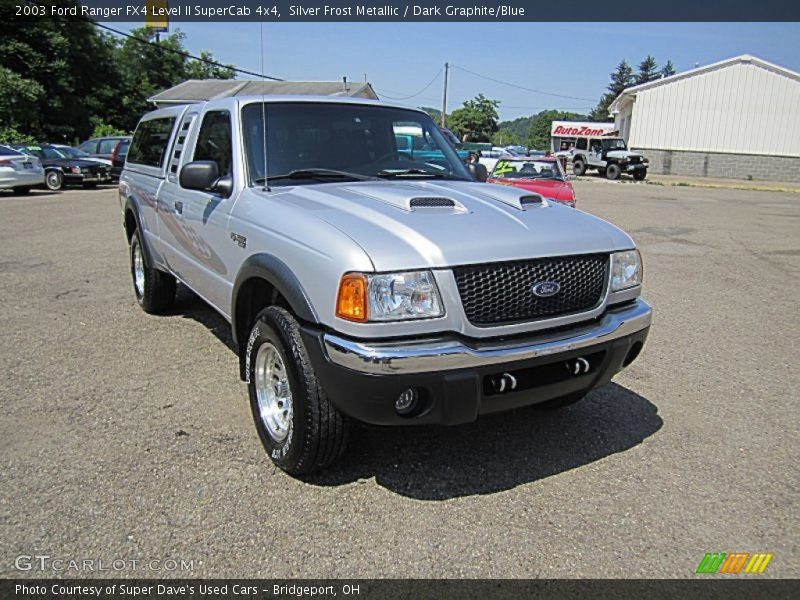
44, 562
734, 563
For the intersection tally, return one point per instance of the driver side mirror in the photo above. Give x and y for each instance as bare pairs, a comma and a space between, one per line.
478, 172
203, 175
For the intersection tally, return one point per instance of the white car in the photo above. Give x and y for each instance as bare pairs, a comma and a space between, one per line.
489, 158
70, 152
18, 171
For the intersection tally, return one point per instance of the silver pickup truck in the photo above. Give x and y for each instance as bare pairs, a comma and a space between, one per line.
361, 283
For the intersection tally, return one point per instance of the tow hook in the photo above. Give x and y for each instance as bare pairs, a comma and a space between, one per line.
504, 383
578, 366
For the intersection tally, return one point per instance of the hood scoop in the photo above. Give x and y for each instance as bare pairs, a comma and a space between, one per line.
407, 197
431, 202
514, 197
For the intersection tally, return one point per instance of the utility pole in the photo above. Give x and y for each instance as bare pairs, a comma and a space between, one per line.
444, 94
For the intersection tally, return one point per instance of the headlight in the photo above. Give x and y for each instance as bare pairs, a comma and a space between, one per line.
388, 297
626, 270
76, 170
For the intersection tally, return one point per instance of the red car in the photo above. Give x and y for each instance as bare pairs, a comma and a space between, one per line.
543, 175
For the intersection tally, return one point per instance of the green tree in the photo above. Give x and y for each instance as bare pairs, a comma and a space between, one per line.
55, 75
648, 71
541, 125
668, 69
203, 69
476, 121
505, 137
621, 79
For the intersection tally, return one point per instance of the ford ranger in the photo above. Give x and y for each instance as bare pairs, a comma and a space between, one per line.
365, 283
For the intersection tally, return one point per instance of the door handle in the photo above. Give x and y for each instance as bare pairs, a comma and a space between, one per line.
179, 207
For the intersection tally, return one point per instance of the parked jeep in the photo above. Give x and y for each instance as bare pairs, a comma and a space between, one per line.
364, 283
609, 155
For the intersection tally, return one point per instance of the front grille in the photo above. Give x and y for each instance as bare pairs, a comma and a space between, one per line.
503, 292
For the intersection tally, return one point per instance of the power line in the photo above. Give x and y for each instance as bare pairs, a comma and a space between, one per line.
430, 83
520, 87
185, 54
173, 50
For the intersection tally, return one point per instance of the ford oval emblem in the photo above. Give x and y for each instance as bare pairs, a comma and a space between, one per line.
545, 289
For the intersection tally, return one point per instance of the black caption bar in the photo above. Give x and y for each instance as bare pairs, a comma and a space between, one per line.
421, 11
416, 589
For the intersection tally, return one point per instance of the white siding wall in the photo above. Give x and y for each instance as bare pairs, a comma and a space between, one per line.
742, 108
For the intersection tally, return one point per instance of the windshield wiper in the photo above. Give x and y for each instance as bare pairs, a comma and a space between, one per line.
317, 174
415, 173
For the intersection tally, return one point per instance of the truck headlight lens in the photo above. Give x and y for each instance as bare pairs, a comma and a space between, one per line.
388, 297
626, 270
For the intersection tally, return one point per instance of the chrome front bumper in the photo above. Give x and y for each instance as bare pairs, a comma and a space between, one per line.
431, 355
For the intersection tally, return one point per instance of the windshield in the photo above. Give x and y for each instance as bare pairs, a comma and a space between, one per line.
528, 169
43, 152
307, 142
616, 144
72, 152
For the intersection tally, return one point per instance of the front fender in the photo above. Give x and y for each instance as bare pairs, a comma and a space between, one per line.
281, 277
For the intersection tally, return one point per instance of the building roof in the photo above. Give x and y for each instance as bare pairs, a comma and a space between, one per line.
629, 94
202, 90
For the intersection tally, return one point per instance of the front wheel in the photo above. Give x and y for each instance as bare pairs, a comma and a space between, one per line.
613, 172
54, 180
298, 425
640, 174
154, 289
578, 167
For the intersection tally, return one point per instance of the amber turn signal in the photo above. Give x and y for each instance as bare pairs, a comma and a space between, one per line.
351, 303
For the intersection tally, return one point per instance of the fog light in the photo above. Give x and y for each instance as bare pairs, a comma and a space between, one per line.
407, 401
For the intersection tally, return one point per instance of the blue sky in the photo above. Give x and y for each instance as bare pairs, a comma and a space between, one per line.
571, 59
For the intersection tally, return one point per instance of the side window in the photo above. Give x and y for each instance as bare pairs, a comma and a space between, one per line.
214, 141
581, 144
149, 144
107, 146
89, 146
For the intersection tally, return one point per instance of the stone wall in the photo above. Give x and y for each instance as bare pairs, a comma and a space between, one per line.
715, 164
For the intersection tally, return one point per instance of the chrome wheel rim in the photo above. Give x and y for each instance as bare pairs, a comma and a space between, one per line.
52, 181
273, 392
138, 270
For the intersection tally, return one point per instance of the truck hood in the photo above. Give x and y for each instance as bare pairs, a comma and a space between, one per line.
400, 225
618, 154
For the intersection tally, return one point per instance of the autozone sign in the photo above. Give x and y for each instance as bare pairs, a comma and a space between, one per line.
573, 129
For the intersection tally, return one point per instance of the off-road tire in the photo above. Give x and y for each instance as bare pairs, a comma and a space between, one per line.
640, 175
158, 293
557, 403
318, 432
613, 172
578, 167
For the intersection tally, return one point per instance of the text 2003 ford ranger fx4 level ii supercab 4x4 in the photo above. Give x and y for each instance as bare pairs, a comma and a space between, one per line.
362, 283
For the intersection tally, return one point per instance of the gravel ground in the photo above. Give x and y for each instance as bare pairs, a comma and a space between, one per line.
125, 436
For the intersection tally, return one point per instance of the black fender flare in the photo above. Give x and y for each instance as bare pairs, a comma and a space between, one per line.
132, 207
281, 277
580, 157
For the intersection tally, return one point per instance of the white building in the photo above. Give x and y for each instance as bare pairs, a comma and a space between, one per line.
736, 118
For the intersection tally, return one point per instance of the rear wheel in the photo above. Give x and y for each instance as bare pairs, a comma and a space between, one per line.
154, 289
21, 190
613, 172
578, 167
640, 175
54, 180
298, 425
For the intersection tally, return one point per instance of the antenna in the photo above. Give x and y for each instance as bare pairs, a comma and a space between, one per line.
263, 109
